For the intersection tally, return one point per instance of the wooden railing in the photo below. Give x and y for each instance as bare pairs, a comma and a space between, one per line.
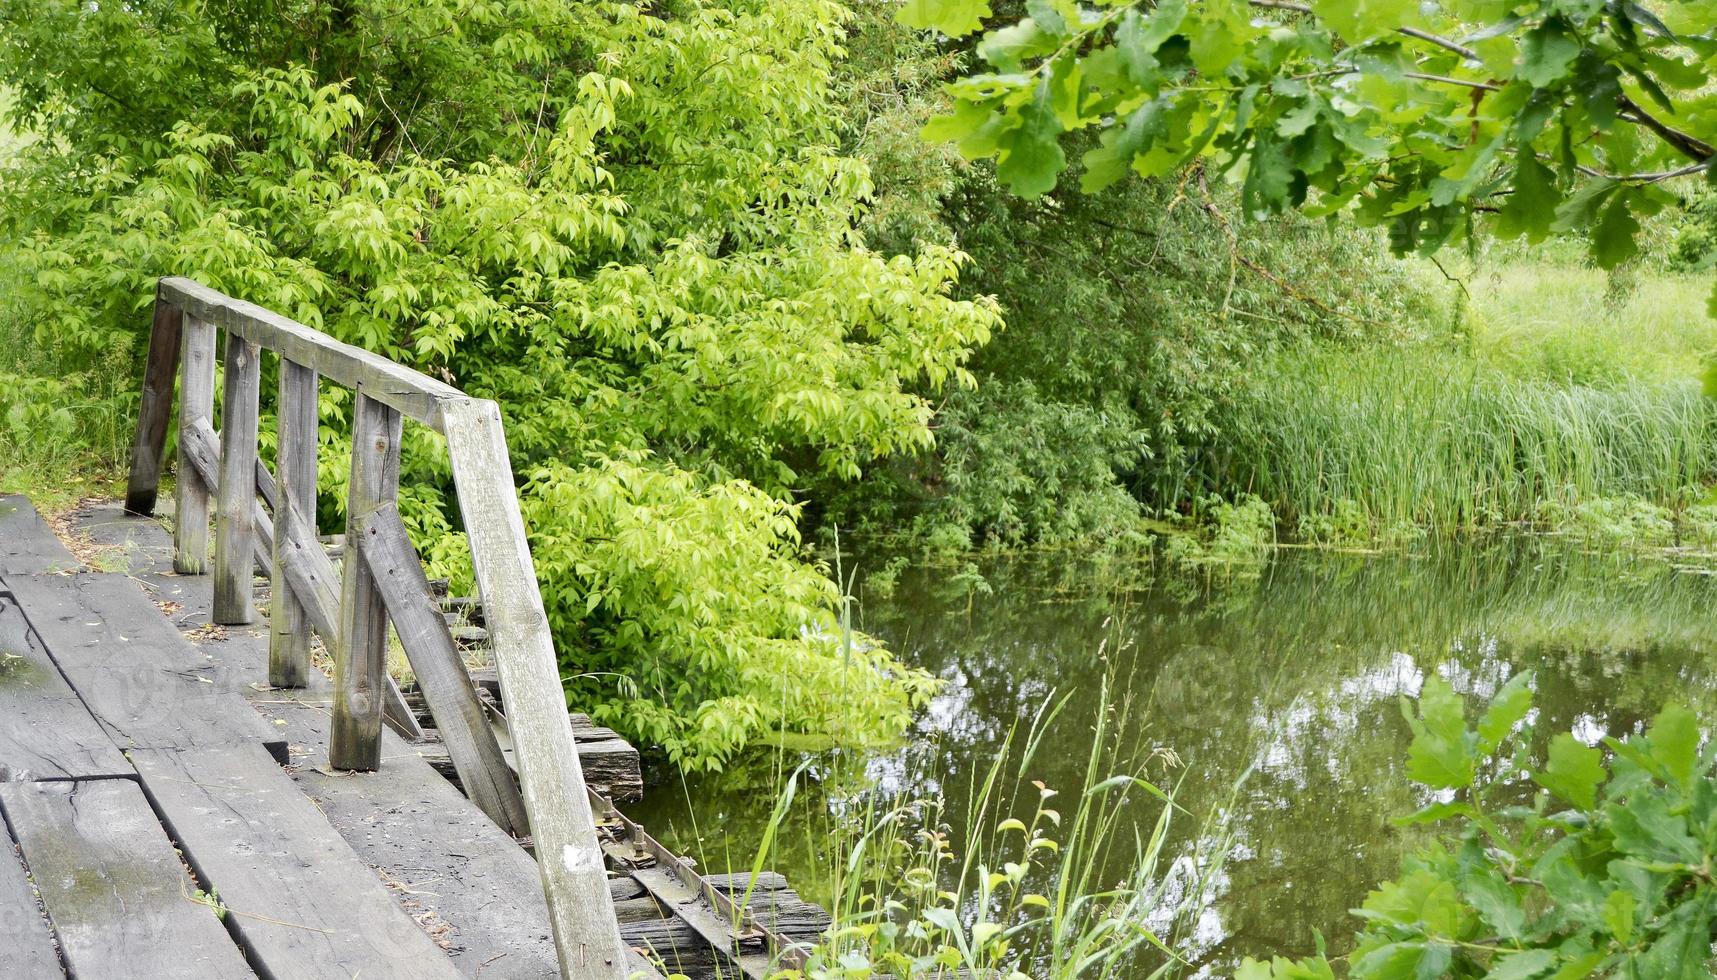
381, 578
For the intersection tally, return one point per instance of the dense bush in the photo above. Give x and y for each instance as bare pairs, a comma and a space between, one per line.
627, 224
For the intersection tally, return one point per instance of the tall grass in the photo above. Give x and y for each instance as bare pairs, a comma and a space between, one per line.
1568, 324
1444, 441
1030, 890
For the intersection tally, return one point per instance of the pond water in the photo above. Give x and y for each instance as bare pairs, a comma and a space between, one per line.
1280, 695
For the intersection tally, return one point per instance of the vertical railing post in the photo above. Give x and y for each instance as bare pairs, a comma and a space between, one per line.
155, 410
196, 401
360, 655
295, 474
235, 498
569, 856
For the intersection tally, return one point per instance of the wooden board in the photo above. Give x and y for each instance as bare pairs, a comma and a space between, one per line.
236, 534
141, 679
45, 730
411, 392
196, 403
302, 903
30, 947
27, 545
154, 411
385, 547
550, 778
119, 899
361, 648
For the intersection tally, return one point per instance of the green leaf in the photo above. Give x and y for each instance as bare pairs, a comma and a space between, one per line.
1619, 915
1506, 710
1531, 208
1645, 828
1573, 772
1615, 239
1495, 902
1107, 162
955, 18
1673, 742
1546, 54
1031, 156
1522, 965
1006, 47
1439, 756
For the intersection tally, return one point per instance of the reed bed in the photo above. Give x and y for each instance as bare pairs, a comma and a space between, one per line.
1446, 442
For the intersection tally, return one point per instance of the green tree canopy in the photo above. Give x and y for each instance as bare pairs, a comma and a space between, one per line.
1428, 118
627, 223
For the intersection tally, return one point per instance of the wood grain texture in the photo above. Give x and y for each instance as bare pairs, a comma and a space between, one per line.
200, 446
235, 490
360, 651
27, 545
45, 730
295, 500
551, 781
410, 392
396, 714
310, 575
154, 411
196, 402
118, 897
439, 669
302, 903
30, 947
139, 677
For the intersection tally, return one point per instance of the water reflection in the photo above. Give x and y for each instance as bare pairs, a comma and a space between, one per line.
1291, 680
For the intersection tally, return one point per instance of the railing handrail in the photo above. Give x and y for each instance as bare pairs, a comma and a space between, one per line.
408, 391
381, 574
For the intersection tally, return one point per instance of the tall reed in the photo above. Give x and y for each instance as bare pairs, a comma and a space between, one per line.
1030, 891
1434, 439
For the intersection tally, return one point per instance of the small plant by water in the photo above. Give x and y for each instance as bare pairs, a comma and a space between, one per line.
1574, 861
1025, 893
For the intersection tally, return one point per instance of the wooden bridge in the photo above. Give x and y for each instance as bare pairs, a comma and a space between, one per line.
189, 797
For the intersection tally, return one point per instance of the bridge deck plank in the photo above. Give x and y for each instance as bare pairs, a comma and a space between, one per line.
45, 730
118, 897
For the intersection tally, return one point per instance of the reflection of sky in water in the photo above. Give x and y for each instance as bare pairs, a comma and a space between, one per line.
1291, 683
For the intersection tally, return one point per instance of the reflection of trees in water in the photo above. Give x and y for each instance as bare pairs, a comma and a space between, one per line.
1298, 672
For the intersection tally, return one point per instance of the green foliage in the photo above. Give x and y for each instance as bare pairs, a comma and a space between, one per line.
697, 595
1559, 116
628, 225
1604, 870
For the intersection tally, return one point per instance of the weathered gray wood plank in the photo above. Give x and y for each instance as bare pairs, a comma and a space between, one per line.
45, 730
235, 488
410, 392
302, 903
295, 500
200, 446
155, 411
396, 713
141, 679
30, 950
311, 575
447, 688
550, 778
360, 651
27, 545
196, 402
120, 901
